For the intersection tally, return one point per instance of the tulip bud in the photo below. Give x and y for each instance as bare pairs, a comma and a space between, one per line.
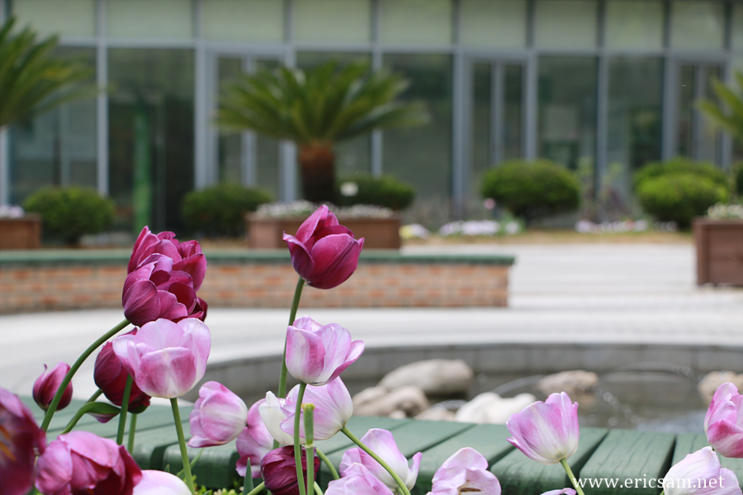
724, 421
546, 432
324, 253
700, 470
111, 377
317, 354
20, 438
160, 483
187, 256
218, 416
280, 473
46, 386
465, 471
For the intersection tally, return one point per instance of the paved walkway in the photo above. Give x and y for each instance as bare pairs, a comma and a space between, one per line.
559, 293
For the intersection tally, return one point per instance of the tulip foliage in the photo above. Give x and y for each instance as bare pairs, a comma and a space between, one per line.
166, 356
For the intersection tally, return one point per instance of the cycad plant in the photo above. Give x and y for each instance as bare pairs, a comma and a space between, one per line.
731, 120
316, 110
31, 81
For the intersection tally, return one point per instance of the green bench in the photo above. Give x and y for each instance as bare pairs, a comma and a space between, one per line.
611, 454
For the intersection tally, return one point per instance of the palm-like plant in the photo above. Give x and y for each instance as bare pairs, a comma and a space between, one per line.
316, 110
32, 82
732, 119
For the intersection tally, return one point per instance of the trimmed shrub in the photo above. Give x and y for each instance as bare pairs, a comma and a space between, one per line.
532, 190
384, 191
71, 212
679, 197
220, 210
738, 178
681, 165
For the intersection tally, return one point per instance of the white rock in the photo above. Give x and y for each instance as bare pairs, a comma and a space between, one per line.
398, 414
377, 401
436, 414
712, 381
575, 383
434, 376
491, 408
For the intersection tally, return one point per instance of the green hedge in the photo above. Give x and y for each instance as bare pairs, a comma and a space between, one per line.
220, 210
678, 166
386, 191
679, 197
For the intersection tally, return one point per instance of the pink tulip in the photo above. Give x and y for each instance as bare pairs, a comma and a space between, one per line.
273, 412
218, 416
160, 483
383, 444
323, 252
111, 377
317, 354
254, 442
81, 462
357, 481
20, 438
546, 432
46, 386
333, 409
187, 256
700, 473
465, 471
280, 473
724, 421
165, 359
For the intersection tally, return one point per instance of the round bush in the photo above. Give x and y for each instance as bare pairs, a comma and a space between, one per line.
384, 191
532, 190
71, 212
680, 197
220, 210
681, 165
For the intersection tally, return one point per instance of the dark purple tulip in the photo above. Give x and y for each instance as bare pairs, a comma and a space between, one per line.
110, 376
46, 386
82, 463
324, 253
20, 439
187, 256
280, 473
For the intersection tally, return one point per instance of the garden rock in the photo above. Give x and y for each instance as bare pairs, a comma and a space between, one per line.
712, 381
575, 383
436, 414
434, 376
491, 408
376, 401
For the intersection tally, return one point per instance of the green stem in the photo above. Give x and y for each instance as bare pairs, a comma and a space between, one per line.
297, 446
182, 443
309, 435
310, 469
68, 378
571, 476
95, 396
257, 489
132, 431
88, 406
124, 409
374, 455
327, 462
317, 489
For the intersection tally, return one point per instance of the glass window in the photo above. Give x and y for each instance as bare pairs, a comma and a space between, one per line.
151, 135
736, 35
567, 110
697, 25
565, 23
229, 143
58, 147
634, 24
243, 20
499, 24
149, 19
421, 156
420, 22
481, 130
635, 121
68, 18
332, 21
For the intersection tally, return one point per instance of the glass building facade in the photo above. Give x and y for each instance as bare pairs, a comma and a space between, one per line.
600, 86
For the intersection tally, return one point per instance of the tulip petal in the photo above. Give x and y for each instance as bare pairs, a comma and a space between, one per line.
195, 266
167, 373
336, 258
308, 227
726, 438
54, 468
160, 483
383, 444
304, 354
141, 303
301, 259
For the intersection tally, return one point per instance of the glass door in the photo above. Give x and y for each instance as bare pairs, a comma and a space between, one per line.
696, 137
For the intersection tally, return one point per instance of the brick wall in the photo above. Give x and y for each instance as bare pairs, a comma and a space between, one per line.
40, 287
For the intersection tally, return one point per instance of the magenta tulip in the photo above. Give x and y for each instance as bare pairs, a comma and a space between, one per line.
383, 444
165, 359
254, 442
357, 481
20, 438
82, 463
546, 432
160, 483
187, 256
333, 409
280, 473
317, 354
700, 473
218, 416
323, 252
465, 471
724, 421
110, 377
46, 386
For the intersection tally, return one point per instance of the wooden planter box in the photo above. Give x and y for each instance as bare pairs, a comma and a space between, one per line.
719, 246
20, 233
378, 233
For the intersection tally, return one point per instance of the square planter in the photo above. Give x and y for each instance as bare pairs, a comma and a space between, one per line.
378, 233
20, 233
719, 246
